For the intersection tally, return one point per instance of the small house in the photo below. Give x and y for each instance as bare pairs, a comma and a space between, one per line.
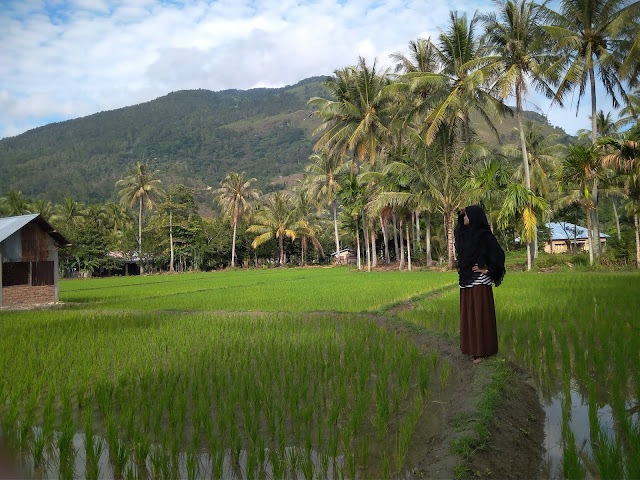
345, 256
568, 237
28, 260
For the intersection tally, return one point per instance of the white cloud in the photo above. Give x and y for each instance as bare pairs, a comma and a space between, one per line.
71, 58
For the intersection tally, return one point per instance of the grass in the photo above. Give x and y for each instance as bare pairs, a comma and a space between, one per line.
291, 290
112, 365
564, 327
178, 391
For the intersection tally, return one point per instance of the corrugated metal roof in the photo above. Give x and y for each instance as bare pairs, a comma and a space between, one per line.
10, 225
569, 231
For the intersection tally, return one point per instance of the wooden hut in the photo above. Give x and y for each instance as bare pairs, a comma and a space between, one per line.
28, 260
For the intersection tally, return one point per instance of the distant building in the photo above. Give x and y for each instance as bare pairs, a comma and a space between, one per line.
565, 235
28, 260
345, 256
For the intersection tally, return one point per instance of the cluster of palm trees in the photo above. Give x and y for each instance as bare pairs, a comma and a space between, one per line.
406, 137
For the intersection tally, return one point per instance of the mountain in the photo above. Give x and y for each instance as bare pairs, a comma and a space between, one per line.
192, 137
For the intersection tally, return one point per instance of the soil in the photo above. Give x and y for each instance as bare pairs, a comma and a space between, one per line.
516, 432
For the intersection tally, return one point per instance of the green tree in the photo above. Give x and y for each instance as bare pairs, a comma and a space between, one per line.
276, 220
235, 196
521, 202
323, 182
43, 207
305, 211
177, 209
355, 121
594, 36
578, 168
460, 85
15, 203
140, 186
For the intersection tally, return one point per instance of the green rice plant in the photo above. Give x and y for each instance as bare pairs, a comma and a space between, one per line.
572, 468
445, 372
307, 465
608, 456
385, 462
93, 455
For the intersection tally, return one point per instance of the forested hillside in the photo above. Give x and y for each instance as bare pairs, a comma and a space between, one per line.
193, 137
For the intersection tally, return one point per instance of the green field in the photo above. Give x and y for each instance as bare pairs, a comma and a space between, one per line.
287, 372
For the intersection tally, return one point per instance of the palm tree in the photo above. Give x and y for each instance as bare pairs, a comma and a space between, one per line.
605, 124
235, 196
43, 207
521, 202
141, 186
626, 159
275, 220
16, 203
518, 55
460, 82
354, 121
594, 35
117, 216
305, 212
69, 212
630, 114
578, 168
323, 183
488, 180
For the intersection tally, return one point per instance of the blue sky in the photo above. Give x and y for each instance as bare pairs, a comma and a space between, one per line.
62, 59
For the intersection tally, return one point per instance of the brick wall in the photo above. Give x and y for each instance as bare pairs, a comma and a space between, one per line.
26, 295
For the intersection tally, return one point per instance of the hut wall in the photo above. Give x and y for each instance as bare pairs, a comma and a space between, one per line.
29, 268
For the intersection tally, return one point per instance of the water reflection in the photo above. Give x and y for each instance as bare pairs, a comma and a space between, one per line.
577, 411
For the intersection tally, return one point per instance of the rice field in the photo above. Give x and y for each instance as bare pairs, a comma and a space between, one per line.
127, 393
282, 373
579, 333
289, 290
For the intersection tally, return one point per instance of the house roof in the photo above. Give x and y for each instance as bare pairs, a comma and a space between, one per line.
10, 225
568, 231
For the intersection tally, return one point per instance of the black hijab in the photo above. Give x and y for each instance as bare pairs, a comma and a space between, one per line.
476, 244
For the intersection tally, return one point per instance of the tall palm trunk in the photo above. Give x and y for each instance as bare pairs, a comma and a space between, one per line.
233, 243
355, 217
635, 223
304, 248
428, 240
374, 253
140, 236
385, 237
281, 244
395, 236
590, 237
450, 247
401, 266
366, 241
615, 214
595, 220
413, 224
416, 242
525, 157
171, 270
408, 247
335, 229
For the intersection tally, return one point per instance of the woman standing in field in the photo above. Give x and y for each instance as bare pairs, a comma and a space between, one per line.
480, 263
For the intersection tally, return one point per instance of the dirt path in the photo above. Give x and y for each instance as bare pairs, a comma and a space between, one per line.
516, 431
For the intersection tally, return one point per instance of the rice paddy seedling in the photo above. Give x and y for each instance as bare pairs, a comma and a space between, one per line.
445, 372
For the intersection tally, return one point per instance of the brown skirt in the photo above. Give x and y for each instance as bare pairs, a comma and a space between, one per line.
478, 331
